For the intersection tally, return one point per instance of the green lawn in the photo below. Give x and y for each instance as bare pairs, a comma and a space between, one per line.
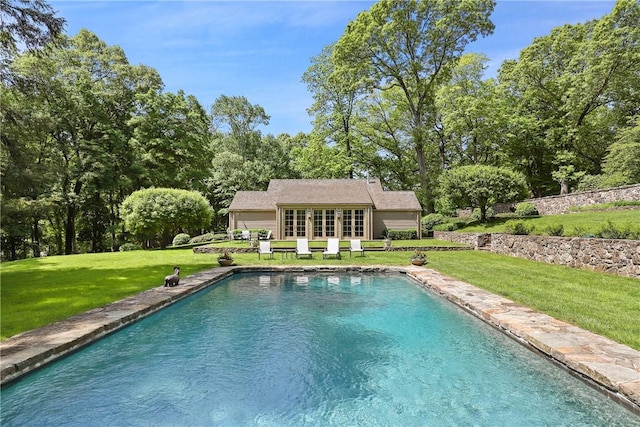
577, 223
36, 292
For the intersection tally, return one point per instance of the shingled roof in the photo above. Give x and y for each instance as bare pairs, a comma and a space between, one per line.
311, 192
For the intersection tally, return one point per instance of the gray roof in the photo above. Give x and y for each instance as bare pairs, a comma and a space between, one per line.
325, 192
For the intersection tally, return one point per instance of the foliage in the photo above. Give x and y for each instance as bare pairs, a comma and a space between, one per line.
431, 220
525, 209
621, 231
181, 239
159, 212
447, 226
397, 234
30, 24
125, 247
554, 229
477, 214
409, 47
419, 255
568, 93
481, 186
207, 237
518, 227
226, 255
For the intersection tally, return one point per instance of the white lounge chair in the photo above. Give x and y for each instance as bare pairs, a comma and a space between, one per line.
265, 249
333, 248
246, 235
302, 248
356, 246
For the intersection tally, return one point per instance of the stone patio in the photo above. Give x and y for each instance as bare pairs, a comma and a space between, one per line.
612, 367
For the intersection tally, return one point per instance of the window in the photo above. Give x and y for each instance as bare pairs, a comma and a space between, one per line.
346, 223
301, 223
329, 223
317, 223
288, 222
358, 221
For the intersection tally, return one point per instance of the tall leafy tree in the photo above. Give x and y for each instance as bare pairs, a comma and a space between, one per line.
411, 45
25, 24
471, 116
566, 93
333, 110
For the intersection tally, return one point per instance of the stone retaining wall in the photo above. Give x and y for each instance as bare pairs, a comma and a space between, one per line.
553, 205
621, 257
475, 240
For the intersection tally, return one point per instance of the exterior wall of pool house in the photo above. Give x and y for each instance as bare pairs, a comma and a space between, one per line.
318, 209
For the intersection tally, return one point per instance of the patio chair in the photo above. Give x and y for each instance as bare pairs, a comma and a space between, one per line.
246, 235
333, 248
356, 246
302, 248
265, 249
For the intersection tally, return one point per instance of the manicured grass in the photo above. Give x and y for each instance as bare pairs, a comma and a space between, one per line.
585, 223
36, 292
602, 303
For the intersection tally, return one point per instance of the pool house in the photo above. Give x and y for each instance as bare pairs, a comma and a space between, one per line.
321, 208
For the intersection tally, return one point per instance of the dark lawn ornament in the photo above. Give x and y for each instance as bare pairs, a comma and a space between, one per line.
173, 279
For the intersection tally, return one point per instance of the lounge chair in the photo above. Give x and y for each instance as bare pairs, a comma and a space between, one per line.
246, 235
265, 249
356, 246
333, 248
302, 248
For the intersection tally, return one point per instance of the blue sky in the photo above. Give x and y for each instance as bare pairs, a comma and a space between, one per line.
260, 49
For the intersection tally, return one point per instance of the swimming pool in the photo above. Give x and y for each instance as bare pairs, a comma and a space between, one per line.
274, 349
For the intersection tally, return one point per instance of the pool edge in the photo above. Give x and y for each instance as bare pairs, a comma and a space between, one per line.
610, 366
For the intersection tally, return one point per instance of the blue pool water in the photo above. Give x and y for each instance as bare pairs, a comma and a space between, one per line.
317, 350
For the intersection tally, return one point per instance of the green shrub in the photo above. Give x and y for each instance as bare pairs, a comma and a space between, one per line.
395, 234
525, 209
518, 227
447, 226
208, 237
129, 247
611, 231
431, 220
181, 239
555, 229
476, 214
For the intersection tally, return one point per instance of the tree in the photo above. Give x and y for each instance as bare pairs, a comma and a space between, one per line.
30, 24
470, 114
569, 93
333, 111
412, 46
161, 213
480, 186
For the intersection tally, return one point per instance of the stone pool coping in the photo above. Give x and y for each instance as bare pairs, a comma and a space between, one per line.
610, 366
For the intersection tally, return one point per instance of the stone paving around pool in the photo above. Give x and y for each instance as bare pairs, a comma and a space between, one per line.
612, 367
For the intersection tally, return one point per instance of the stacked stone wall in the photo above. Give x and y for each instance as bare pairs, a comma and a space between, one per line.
553, 205
615, 256
475, 240
621, 257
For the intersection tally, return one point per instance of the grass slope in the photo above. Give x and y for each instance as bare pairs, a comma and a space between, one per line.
585, 222
36, 292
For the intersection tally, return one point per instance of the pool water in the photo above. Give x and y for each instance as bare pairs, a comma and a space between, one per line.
307, 350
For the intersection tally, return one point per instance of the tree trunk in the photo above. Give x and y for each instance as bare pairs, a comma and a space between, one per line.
564, 186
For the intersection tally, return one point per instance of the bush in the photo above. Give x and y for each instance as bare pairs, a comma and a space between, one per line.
476, 214
555, 229
518, 227
395, 234
431, 220
526, 209
181, 239
447, 226
129, 247
208, 237
610, 231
